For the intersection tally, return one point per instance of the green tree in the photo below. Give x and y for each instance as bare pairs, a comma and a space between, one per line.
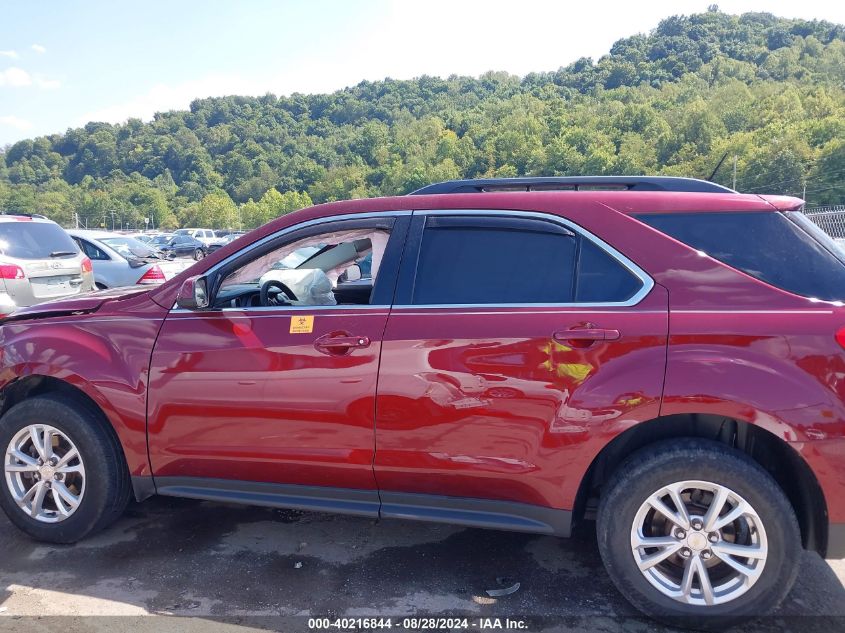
271, 206
215, 210
827, 177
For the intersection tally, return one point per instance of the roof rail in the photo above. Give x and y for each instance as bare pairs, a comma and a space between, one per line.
25, 215
556, 183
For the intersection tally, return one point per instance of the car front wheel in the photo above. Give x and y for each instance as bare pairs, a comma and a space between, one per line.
696, 534
64, 476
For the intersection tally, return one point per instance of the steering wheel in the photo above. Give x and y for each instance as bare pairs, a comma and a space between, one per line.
278, 288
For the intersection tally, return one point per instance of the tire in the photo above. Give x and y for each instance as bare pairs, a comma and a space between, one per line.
707, 469
199, 254
104, 489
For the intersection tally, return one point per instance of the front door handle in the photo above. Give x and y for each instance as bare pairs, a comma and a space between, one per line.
586, 334
340, 343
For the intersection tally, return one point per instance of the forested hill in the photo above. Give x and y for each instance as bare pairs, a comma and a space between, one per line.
770, 91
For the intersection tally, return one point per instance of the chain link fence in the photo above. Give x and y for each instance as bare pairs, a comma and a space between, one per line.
830, 219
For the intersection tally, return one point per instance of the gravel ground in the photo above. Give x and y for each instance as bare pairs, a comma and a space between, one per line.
233, 568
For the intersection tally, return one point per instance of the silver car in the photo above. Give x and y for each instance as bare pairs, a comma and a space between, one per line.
122, 260
38, 261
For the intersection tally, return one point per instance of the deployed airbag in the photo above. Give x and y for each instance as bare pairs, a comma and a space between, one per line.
311, 286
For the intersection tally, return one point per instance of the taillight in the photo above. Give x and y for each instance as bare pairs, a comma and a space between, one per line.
10, 271
152, 276
840, 337
87, 266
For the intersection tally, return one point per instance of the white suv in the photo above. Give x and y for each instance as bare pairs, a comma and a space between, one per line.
38, 261
206, 236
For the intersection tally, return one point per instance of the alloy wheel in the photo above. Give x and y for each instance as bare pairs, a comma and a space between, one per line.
699, 543
44, 473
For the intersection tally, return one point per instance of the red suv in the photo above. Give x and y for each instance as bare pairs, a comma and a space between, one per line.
661, 354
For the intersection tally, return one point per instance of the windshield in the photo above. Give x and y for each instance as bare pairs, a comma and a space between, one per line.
162, 240
295, 258
128, 247
35, 240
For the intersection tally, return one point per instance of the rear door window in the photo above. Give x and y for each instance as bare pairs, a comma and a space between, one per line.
90, 250
602, 279
476, 260
773, 247
35, 240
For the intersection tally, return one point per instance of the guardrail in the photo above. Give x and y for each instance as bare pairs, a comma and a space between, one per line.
830, 219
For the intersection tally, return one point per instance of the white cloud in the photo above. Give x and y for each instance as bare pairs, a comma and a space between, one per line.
16, 122
9, 54
15, 77
38, 48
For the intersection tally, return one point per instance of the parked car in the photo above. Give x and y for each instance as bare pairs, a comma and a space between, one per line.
221, 233
38, 261
121, 260
665, 357
206, 236
146, 238
180, 246
223, 241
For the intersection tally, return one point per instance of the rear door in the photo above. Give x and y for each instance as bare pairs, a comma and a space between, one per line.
517, 345
108, 272
184, 245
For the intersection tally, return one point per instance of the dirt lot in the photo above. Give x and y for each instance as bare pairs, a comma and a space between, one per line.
233, 568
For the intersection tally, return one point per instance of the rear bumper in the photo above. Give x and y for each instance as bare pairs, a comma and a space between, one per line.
835, 541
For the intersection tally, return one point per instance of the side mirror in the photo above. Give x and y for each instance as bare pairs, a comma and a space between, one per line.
353, 273
193, 295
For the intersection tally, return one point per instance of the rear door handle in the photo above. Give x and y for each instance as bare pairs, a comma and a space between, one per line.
340, 343
587, 334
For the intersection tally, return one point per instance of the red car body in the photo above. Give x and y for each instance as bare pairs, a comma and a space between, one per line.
477, 415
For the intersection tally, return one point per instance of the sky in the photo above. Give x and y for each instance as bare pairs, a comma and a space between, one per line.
65, 63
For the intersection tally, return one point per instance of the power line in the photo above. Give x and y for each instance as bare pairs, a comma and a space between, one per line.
799, 181
826, 188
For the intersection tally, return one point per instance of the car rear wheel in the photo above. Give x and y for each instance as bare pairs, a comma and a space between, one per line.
199, 254
64, 476
695, 534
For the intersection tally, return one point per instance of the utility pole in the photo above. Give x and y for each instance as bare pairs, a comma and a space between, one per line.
734, 186
804, 193
112, 219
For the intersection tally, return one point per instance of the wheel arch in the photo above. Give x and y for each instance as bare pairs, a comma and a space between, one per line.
35, 385
777, 457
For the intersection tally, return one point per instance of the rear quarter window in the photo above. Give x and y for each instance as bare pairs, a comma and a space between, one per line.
773, 247
34, 240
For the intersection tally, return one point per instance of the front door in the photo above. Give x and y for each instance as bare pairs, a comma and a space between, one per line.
516, 346
276, 383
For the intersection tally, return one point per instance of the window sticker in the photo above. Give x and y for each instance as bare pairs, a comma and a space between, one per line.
302, 324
